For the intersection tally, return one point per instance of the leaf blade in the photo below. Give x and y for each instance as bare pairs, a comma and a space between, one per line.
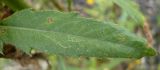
75, 36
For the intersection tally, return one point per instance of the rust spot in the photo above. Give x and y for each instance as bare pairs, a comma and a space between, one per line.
50, 20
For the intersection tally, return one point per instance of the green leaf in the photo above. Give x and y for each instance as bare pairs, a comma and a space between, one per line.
130, 7
71, 35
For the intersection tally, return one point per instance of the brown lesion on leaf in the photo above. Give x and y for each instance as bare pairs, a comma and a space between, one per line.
50, 20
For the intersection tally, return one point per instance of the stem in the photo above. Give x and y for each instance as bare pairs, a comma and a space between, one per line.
57, 5
61, 64
69, 5
148, 33
16, 4
93, 64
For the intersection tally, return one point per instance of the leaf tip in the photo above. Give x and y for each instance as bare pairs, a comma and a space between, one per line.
150, 52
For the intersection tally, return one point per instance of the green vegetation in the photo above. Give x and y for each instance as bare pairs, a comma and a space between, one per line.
75, 36
94, 38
